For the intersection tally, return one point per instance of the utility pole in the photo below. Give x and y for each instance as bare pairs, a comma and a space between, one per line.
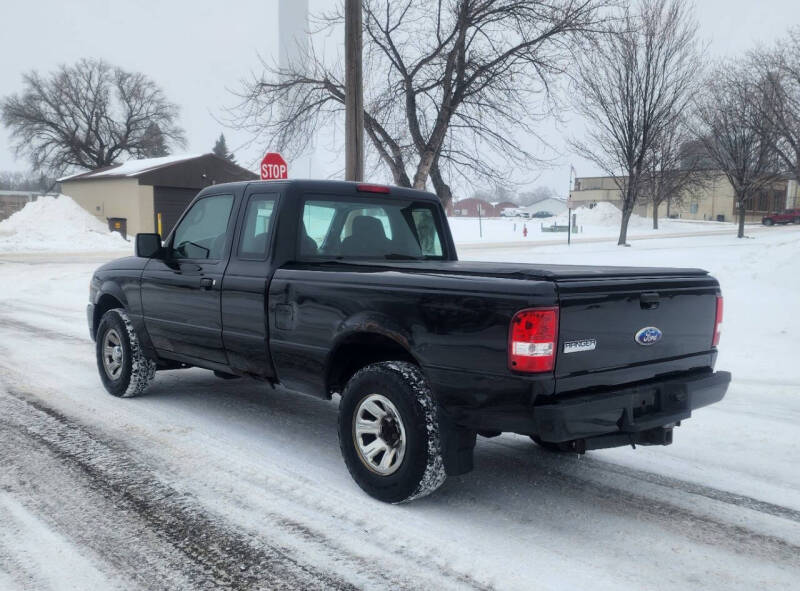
353, 92
573, 175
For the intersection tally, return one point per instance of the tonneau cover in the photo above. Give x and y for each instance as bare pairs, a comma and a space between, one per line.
527, 271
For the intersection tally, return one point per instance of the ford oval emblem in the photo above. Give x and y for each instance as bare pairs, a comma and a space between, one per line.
649, 335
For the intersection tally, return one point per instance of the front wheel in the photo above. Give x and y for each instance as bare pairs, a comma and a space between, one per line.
389, 432
124, 370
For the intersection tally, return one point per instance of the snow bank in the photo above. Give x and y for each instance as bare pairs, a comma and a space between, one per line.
606, 215
57, 224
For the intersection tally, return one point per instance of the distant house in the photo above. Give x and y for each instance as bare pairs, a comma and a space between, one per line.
549, 204
469, 208
150, 194
501, 205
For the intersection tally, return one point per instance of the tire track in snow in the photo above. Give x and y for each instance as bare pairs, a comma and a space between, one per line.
39, 331
702, 490
148, 491
211, 554
714, 494
705, 529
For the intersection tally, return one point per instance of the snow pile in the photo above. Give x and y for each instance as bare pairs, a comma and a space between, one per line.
57, 224
605, 215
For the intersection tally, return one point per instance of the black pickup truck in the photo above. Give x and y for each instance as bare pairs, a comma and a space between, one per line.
341, 288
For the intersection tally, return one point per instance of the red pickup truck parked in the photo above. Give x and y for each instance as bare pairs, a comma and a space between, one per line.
790, 216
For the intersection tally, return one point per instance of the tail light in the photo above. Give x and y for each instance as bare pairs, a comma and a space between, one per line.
532, 340
717, 323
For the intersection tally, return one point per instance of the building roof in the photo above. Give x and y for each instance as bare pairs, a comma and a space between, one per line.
12, 193
131, 168
179, 170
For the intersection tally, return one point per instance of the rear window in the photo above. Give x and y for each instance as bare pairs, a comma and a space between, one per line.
370, 229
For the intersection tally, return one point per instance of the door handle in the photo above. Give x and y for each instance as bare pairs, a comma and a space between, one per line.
207, 282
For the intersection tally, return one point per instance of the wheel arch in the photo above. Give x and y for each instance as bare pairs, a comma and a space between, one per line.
357, 349
104, 302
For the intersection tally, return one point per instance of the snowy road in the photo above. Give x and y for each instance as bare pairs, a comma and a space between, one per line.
205, 483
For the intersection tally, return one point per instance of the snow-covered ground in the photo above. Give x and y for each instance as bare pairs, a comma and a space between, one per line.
602, 221
212, 483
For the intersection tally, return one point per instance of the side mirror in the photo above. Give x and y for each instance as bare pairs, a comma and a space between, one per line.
148, 245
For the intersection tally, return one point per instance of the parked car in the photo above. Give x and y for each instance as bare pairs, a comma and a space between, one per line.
332, 288
542, 214
790, 216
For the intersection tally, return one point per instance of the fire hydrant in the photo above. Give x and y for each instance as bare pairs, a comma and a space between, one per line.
524, 231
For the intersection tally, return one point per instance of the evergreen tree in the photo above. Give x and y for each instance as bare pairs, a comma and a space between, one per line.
221, 149
153, 142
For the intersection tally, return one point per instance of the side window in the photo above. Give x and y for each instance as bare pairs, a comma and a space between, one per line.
317, 220
254, 240
427, 233
202, 232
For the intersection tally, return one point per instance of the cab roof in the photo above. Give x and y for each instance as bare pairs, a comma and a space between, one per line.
343, 188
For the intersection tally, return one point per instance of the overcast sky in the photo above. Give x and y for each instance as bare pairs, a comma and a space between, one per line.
196, 50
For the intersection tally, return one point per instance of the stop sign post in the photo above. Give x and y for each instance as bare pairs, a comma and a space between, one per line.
274, 167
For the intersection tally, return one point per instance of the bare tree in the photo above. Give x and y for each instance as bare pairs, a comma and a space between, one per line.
448, 82
88, 115
673, 171
537, 194
632, 86
777, 100
736, 134
20, 181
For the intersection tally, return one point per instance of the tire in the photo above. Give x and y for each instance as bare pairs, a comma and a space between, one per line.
407, 433
768, 222
564, 447
797, 220
124, 370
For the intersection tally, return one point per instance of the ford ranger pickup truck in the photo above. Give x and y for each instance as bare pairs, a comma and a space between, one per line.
333, 288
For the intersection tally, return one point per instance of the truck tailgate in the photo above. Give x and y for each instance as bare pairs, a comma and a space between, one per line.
599, 321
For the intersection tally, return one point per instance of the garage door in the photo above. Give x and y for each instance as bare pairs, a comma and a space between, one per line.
170, 203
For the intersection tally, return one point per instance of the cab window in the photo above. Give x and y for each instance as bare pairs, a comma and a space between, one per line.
391, 229
257, 227
202, 232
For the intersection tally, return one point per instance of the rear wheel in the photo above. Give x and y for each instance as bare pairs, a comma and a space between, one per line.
124, 370
389, 432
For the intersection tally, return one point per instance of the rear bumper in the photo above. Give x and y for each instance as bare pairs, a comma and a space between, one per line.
642, 414
632, 411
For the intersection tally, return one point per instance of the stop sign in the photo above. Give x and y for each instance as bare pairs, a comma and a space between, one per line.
274, 167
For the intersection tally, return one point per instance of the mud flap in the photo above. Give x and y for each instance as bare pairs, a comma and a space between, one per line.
458, 446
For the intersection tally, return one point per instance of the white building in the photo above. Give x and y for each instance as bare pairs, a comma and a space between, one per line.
552, 205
